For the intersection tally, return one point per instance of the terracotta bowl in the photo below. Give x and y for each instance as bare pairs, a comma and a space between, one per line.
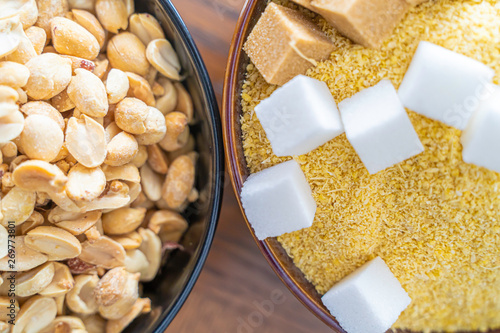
277, 257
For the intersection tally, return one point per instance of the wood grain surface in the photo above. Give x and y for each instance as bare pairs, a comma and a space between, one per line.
237, 290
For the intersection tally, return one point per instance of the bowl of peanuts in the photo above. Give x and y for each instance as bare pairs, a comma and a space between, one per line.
111, 165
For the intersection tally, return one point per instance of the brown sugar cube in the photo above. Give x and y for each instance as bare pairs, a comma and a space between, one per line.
366, 22
307, 3
284, 44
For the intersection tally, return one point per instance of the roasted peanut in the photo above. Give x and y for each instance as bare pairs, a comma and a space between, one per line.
85, 184
116, 197
32, 282
80, 299
56, 243
47, 10
39, 176
136, 261
94, 323
130, 241
103, 252
162, 56
116, 293
111, 131
8, 95
146, 27
151, 183
88, 5
127, 53
142, 305
37, 37
88, 93
25, 9
127, 172
140, 88
5, 311
75, 223
50, 74
62, 200
169, 225
9, 35
112, 14
26, 258
117, 86
62, 102
157, 159
184, 102
17, 206
36, 313
86, 141
130, 5
91, 23
13, 74
141, 157
35, 220
122, 221
11, 125
43, 109
131, 114
9, 149
72, 39
65, 324
155, 128
25, 50
42, 138
151, 247
77, 62
121, 149
177, 131
101, 66
179, 182
61, 283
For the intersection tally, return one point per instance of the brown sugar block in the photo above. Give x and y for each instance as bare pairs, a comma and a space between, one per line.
366, 22
284, 44
307, 3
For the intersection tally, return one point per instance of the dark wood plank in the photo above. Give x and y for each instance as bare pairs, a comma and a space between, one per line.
237, 290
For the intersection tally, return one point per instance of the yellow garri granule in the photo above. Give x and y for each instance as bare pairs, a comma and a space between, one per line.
434, 219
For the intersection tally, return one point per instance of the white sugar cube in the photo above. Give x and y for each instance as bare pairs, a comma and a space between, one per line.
299, 117
481, 138
379, 128
444, 85
369, 300
278, 200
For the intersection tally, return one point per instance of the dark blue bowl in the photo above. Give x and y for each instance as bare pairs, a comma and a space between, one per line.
169, 290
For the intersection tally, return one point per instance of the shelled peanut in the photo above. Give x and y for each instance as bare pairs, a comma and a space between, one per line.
91, 108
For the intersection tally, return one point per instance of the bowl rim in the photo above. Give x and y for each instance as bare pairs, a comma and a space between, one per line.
218, 165
229, 112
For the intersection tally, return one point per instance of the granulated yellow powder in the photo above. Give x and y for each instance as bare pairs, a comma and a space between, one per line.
434, 219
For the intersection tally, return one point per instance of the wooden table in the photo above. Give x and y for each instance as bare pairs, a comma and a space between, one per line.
237, 290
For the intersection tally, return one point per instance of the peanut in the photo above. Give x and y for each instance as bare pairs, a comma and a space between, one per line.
112, 14
140, 88
91, 23
179, 181
127, 53
162, 56
56, 243
13, 74
155, 128
157, 159
43, 109
37, 37
130, 115
47, 10
50, 75
146, 27
121, 149
42, 138
86, 141
177, 131
85, 184
88, 93
117, 86
123, 220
